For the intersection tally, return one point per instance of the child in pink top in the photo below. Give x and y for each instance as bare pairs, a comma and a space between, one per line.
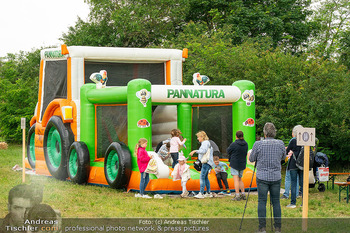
142, 161
175, 143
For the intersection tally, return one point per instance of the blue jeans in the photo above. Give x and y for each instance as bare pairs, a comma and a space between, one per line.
143, 182
294, 175
175, 157
203, 179
274, 188
287, 184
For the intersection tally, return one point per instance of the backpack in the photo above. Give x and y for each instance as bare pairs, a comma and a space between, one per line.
216, 150
300, 160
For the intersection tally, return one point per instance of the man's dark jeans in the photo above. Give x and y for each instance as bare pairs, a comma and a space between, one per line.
274, 188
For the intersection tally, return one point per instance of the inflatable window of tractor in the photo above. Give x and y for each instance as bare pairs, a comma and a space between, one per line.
119, 74
55, 82
111, 126
216, 121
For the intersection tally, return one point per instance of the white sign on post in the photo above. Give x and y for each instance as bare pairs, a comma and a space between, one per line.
306, 136
23, 123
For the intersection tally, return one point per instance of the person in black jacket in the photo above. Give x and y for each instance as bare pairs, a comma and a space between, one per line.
293, 152
237, 155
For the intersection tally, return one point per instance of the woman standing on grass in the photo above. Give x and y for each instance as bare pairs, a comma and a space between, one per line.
206, 167
142, 161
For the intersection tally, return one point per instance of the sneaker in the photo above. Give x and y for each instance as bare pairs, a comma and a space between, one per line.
291, 206
192, 194
236, 198
221, 193
146, 196
208, 195
185, 194
138, 195
262, 230
157, 196
199, 196
284, 197
243, 197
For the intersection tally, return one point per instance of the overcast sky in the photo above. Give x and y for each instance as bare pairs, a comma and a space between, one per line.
27, 24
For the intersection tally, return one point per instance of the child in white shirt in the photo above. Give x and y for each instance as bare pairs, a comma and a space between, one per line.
182, 172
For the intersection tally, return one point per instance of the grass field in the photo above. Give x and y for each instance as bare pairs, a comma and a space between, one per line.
102, 202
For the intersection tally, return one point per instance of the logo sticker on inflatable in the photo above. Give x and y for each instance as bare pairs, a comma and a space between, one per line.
143, 95
248, 97
249, 122
143, 123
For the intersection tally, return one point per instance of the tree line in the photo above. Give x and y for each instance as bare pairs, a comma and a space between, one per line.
297, 52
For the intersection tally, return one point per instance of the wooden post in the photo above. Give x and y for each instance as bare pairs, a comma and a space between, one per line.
306, 187
306, 137
23, 126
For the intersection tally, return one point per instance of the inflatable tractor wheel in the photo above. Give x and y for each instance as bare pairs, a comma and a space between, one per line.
31, 146
117, 165
78, 163
57, 141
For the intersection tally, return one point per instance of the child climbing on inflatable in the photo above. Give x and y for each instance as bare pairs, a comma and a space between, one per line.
182, 172
142, 161
221, 174
164, 154
175, 144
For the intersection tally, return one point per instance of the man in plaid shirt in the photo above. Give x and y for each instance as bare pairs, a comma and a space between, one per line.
268, 154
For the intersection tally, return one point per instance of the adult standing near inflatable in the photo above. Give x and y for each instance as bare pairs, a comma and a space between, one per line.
237, 155
268, 154
206, 165
294, 171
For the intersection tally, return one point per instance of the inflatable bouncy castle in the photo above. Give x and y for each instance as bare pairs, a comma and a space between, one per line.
95, 103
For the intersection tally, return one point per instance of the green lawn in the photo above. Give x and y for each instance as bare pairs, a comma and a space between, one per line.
95, 201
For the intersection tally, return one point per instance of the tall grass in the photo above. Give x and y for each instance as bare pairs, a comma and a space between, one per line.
103, 202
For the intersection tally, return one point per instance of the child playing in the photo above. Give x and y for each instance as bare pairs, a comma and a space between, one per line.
175, 143
142, 161
164, 154
221, 174
182, 171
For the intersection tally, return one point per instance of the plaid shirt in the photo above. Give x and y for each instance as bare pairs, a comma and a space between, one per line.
268, 153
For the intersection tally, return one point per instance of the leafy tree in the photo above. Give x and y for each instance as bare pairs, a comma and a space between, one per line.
144, 23
333, 17
19, 89
128, 23
283, 21
345, 49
